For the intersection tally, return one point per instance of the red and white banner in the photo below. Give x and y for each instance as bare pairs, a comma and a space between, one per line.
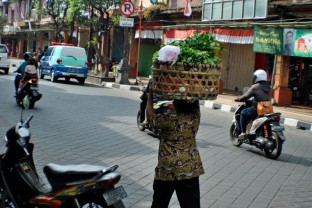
238, 36
187, 9
173, 35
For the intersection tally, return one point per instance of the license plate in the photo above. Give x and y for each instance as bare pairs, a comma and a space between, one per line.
34, 88
114, 195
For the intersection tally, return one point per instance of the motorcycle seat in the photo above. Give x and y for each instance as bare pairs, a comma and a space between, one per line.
60, 175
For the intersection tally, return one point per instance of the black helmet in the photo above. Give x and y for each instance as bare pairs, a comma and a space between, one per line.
31, 61
27, 55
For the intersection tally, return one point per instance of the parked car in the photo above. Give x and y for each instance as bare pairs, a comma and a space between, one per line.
64, 61
4, 61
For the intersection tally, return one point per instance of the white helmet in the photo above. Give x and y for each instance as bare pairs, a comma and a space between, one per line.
259, 75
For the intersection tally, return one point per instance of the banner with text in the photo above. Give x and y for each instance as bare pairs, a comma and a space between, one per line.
268, 40
286, 42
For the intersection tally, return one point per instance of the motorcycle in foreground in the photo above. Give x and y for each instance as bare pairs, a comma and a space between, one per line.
79, 186
30, 91
160, 106
264, 132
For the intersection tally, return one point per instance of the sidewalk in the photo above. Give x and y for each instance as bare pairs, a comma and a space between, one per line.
296, 116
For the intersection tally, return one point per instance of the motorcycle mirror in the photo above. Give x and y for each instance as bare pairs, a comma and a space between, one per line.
14, 65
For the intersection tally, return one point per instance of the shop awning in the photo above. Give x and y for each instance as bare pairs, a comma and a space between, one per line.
147, 31
238, 36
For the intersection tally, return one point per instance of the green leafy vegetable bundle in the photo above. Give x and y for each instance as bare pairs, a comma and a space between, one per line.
202, 48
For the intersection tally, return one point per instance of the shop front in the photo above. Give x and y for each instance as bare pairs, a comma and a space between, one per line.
292, 66
300, 80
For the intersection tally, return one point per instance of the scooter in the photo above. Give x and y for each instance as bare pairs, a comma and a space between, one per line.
30, 92
74, 186
160, 106
264, 132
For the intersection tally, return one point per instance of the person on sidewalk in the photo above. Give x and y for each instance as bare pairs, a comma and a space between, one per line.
260, 91
179, 163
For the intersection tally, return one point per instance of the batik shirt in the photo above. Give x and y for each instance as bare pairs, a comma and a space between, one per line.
178, 156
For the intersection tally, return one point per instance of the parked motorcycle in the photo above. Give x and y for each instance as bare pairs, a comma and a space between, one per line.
74, 186
160, 106
30, 92
264, 132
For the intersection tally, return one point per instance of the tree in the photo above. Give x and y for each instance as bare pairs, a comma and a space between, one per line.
57, 10
3, 20
67, 14
100, 12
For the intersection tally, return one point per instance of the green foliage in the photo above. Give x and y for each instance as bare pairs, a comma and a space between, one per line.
92, 43
3, 20
150, 11
202, 48
115, 19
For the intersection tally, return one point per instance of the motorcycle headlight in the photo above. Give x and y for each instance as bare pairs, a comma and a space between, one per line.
6, 139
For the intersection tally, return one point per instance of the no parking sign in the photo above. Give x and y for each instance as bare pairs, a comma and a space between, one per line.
127, 8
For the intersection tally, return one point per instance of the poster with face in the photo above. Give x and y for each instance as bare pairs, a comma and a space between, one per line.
289, 42
303, 43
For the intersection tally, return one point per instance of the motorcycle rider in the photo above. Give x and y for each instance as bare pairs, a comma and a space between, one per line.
260, 90
144, 98
20, 70
29, 73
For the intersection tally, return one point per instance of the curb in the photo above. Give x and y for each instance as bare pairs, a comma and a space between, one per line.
217, 106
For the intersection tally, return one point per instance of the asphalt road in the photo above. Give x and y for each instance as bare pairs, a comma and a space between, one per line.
90, 124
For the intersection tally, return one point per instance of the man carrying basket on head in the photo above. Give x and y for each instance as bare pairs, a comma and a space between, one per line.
179, 162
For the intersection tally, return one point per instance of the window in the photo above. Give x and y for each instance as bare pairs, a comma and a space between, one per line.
3, 49
73, 51
234, 9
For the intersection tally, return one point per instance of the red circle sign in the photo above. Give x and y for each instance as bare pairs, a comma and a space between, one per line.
127, 8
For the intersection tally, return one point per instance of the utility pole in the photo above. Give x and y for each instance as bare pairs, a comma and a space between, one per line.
139, 40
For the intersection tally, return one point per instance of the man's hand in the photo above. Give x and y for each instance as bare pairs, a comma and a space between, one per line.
236, 100
150, 87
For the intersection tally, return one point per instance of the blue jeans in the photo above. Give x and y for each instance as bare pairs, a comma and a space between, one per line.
17, 79
246, 115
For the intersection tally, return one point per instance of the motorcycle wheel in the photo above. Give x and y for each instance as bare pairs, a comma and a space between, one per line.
141, 126
234, 135
5, 201
278, 146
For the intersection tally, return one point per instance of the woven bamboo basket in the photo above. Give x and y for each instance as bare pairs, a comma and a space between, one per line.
186, 81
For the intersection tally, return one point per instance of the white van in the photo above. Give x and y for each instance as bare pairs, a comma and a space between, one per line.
4, 61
